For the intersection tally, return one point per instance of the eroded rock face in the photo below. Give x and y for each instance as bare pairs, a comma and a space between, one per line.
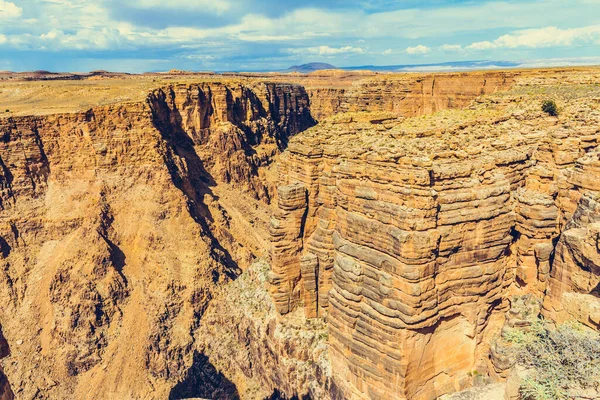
574, 282
112, 241
417, 236
396, 240
523, 313
393, 239
264, 356
407, 95
234, 129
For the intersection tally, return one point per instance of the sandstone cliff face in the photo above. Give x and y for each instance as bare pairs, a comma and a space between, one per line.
407, 95
234, 129
396, 264
112, 241
409, 240
574, 281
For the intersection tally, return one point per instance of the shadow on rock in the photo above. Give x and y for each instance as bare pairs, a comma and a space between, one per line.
204, 381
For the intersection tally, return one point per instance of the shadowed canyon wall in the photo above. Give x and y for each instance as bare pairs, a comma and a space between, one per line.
112, 242
5, 390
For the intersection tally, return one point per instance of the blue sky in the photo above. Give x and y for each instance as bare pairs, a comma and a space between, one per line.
148, 35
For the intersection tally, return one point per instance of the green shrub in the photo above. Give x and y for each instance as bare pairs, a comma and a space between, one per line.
562, 359
550, 108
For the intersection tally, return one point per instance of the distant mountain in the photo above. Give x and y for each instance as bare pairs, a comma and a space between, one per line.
310, 67
440, 67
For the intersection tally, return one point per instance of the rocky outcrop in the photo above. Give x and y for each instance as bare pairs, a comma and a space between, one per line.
524, 312
574, 282
233, 129
265, 357
417, 232
390, 234
112, 240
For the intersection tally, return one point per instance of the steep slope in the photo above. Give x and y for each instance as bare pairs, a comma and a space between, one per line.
112, 240
409, 236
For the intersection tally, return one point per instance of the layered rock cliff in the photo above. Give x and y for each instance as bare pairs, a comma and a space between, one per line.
409, 236
406, 95
112, 241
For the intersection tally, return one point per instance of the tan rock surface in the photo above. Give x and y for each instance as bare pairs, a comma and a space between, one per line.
423, 228
112, 239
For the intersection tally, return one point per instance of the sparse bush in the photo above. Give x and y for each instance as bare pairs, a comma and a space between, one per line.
534, 390
550, 108
562, 360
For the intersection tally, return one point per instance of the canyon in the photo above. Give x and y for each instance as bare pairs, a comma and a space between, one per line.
331, 235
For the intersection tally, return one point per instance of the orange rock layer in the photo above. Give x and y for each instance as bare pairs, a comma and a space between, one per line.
395, 240
111, 239
409, 240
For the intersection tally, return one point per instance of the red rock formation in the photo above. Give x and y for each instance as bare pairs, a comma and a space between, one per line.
396, 241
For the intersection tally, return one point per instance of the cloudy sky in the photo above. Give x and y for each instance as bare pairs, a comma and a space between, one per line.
148, 35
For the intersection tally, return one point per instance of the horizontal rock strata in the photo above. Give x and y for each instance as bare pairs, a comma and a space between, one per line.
417, 235
409, 95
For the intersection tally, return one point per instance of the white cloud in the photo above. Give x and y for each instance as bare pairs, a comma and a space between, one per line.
81, 40
218, 6
9, 10
55, 25
485, 45
327, 51
544, 37
420, 49
451, 47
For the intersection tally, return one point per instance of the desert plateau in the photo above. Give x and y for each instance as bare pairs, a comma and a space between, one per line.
330, 235
299, 200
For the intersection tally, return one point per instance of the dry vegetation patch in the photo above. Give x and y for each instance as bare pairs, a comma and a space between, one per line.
564, 361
